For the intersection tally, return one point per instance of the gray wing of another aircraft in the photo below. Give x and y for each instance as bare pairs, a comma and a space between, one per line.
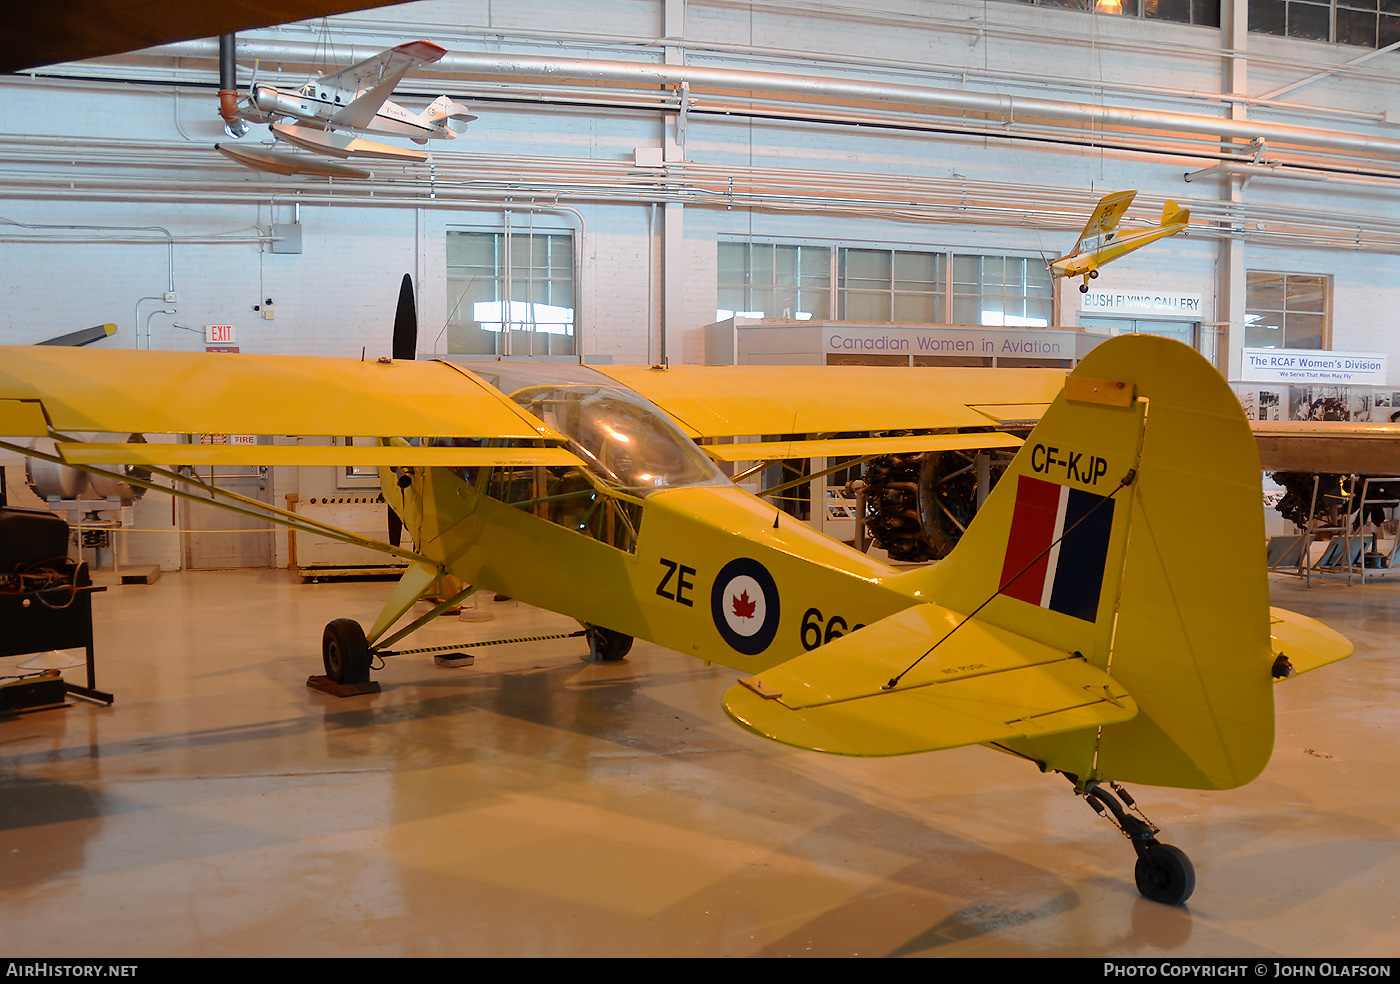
377, 76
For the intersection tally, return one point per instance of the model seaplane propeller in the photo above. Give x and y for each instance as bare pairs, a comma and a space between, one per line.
327, 116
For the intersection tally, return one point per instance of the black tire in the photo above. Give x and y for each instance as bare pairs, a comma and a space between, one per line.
607, 646
1166, 876
345, 652
1083, 288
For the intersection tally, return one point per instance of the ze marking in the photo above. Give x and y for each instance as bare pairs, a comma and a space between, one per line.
681, 574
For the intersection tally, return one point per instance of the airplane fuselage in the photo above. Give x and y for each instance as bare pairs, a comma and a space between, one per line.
319, 106
1113, 246
710, 575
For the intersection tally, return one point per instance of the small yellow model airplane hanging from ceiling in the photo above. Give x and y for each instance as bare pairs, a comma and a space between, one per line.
1100, 242
1073, 626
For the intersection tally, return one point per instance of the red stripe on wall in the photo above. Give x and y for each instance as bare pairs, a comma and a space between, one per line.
1032, 530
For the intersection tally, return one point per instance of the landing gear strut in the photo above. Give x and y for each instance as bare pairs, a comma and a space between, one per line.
1163, 872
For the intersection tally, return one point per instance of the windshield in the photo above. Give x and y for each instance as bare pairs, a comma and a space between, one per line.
625, 440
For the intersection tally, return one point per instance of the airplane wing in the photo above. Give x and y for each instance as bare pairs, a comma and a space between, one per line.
731, 401
1329, 446
1104, 220
377, 76
977, 684
60, 392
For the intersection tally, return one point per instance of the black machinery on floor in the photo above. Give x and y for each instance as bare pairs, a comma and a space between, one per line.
45, 604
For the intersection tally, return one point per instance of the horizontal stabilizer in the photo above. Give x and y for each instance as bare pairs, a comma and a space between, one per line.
443, 108
982, 684
1306, 642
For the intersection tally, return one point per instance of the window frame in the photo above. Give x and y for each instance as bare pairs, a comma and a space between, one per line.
1255, 310
506, 280
944, 296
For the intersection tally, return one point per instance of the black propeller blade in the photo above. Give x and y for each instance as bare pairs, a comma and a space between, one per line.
84, 337
406, 323
405, 347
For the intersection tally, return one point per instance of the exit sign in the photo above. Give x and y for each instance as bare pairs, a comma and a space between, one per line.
220, 335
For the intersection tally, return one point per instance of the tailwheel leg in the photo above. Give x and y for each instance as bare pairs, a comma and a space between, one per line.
1163, 873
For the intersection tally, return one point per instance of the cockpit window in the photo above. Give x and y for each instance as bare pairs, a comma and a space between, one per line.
625, 441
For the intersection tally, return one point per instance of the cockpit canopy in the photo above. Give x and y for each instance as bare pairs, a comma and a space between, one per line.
627, 441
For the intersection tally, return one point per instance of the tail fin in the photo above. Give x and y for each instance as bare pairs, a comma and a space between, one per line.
443, 108
1174, 214
1145, 433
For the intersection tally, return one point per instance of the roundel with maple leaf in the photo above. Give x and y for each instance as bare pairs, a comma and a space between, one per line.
744, 603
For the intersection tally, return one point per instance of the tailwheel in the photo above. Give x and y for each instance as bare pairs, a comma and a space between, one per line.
605, 645
1163, 873
345, 652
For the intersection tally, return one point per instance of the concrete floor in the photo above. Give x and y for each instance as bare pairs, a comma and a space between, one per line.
534, 804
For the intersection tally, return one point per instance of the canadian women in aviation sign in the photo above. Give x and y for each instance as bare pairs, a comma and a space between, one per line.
744, 605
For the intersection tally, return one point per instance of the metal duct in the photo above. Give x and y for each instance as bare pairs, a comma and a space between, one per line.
1007, 108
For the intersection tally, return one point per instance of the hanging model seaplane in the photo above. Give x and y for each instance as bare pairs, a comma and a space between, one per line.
327, 116
1072, 626
1101, 242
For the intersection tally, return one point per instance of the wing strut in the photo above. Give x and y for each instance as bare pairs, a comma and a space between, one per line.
250, 507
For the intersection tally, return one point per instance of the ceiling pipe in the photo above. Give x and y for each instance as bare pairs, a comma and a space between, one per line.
1007, 108
228, 80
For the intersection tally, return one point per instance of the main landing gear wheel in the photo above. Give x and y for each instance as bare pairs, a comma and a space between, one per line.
1164, 874
345, 652
605, 645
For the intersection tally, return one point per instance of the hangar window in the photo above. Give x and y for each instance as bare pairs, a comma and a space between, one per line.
510, 293
900, 286
1286, 310
897, 286
1204, 12
1358, 22
1002, 290
774, 280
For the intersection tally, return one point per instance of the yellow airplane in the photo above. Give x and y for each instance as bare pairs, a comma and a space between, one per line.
1073, 626
1100, 241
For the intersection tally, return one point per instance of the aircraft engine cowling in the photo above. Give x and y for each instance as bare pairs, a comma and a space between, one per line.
917, 505
277, 103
